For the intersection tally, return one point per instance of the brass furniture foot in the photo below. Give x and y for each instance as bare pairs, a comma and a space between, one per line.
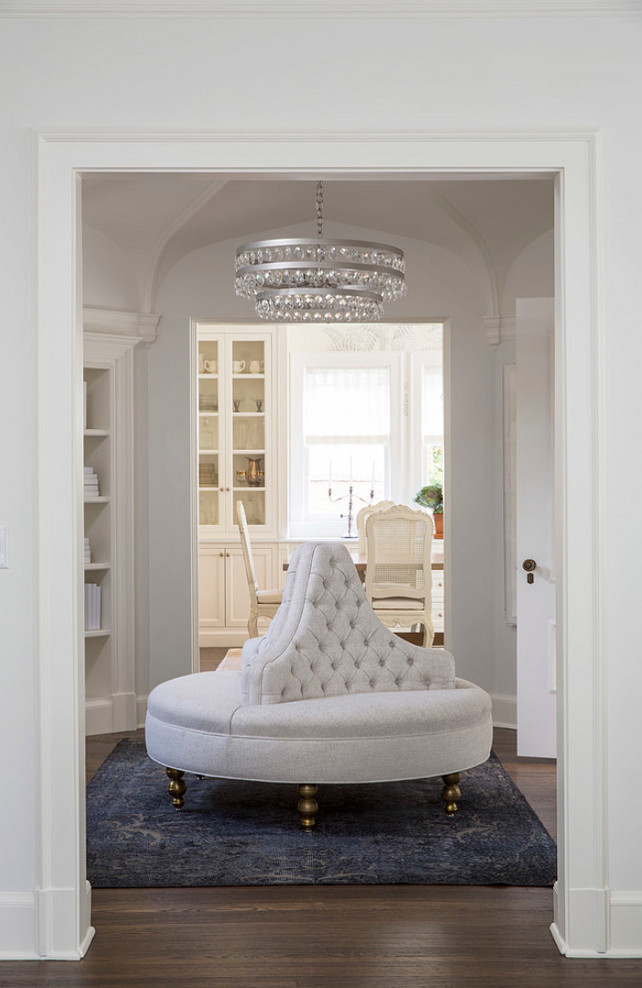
176, 786
451, 792
307, 805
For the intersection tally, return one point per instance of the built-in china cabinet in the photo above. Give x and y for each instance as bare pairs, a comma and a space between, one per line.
236, 442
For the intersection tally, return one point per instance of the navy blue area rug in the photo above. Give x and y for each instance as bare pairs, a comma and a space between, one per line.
247, 833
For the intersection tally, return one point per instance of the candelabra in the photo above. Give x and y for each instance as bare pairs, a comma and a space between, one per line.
351, 496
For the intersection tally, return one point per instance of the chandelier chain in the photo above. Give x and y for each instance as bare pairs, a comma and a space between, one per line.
319, 207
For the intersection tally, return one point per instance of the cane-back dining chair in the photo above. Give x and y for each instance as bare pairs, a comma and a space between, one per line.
361, 521
398, 573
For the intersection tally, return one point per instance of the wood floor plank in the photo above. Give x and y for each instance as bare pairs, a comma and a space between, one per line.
396, 936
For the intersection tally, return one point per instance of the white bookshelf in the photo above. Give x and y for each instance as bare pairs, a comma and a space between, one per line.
110, 673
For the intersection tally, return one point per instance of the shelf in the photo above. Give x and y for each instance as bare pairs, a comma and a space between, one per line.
247, 487
208, 415
96, 566
95, 433
247, 452
248, 415
208, 377
100, 633
248, 377
103, 499
208, 487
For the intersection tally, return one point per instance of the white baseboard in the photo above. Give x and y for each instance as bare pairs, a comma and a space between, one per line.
605, 925
111, 713
141, 709
124, 711
504, 710
18, 926
626, 924
43, 924
98, 716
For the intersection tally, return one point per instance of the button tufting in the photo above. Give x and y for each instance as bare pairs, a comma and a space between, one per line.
373, 682
410, 661
382, 662
397, 682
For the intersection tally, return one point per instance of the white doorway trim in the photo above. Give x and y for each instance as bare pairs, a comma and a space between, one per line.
581, 908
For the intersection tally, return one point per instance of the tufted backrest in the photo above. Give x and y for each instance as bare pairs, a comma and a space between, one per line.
325, 639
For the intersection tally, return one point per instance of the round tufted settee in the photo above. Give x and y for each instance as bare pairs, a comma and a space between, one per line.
328, 695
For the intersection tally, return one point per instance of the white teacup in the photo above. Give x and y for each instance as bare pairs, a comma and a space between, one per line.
239, 366
210, 366
256, 366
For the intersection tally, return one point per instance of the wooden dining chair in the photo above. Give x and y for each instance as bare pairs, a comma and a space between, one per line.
361, 521
263, 603
399, 570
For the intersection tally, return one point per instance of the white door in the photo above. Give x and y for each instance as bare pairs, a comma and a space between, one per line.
534, 513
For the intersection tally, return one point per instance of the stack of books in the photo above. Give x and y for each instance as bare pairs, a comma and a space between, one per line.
92, 607
91, 483
87, 552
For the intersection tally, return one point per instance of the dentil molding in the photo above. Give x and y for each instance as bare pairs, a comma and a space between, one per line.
313, 8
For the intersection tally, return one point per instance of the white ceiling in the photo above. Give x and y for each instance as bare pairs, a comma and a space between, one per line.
157, 219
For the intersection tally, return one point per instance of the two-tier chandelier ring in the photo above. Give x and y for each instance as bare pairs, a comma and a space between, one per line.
317, 280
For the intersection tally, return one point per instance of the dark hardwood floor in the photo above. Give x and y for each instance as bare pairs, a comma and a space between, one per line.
330, 936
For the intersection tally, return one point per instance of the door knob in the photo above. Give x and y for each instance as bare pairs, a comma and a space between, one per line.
529, 565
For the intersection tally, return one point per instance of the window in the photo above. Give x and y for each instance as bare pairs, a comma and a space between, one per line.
370, 420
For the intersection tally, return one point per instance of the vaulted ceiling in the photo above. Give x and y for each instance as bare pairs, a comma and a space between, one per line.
158, 219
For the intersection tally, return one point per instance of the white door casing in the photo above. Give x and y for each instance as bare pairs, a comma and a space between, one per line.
536, 707
581, 903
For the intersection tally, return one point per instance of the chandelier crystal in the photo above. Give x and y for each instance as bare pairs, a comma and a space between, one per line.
317, 280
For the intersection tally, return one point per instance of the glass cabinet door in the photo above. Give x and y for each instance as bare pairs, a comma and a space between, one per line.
235, 425
248, 413
209, 435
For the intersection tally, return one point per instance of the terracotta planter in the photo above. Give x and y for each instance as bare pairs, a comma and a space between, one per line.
438, 522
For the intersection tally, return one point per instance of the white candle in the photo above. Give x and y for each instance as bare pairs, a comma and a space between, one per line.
372, 482
330, 472
350, 480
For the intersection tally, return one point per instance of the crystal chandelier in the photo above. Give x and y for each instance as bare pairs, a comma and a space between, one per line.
308, 280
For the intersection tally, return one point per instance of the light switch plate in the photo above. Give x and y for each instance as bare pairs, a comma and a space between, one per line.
4, 547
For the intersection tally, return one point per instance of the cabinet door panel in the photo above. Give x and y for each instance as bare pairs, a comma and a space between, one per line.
237, 596
211, 587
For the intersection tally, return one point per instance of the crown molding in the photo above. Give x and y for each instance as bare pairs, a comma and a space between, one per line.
299, 9
498, 329
139, 326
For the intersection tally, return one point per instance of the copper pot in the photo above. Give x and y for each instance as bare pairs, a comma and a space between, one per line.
254, 472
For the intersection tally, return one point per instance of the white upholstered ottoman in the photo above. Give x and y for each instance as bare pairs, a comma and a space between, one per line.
329, 695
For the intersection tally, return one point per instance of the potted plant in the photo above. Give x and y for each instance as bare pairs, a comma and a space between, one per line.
431, 497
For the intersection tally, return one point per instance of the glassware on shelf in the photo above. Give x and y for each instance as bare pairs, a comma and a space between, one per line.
241, 478
236, 404
207, 475
259, 404
206, 434
207, 402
